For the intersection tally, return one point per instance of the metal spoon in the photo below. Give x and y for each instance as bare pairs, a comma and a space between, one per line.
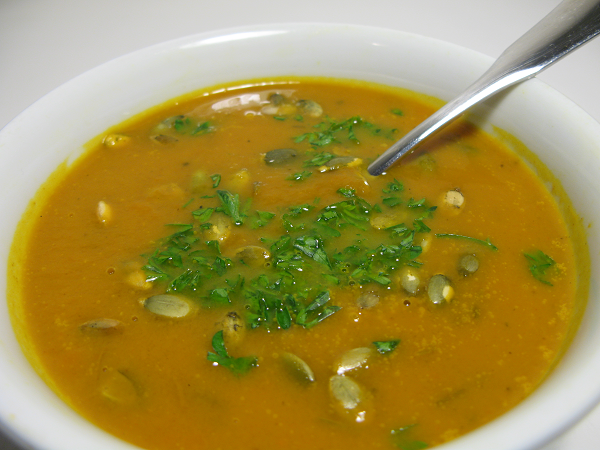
571, 24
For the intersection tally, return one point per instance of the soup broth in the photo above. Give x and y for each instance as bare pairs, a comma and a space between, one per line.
222, 272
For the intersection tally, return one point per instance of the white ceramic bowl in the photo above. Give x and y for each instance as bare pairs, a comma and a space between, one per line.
56, 127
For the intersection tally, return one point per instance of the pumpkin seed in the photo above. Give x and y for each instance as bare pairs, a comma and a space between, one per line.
468, 264
164, 139
167, 305
276, 99
200, 182
114, 140
454, 198
410, 280
280, 156
339, 162
102, 325
353, 359
439, 289
253, 255
309, 107
219, 230
427, 162
298, 368
345, 391
367, 300
233, 328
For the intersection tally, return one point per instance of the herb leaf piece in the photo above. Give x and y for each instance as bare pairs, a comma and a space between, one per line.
539, 263
486, 242
238, 366
402, 440
316, 310
231, 206
299, 176
384, 347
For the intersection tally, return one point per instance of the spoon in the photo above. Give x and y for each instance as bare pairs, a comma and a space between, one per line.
571, 24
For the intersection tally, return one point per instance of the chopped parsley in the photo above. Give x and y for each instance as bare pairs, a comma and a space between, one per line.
185, 125
331, 131
314, 251
401, 438
486, 242
539, 263
216, 178
300, 176
238, 366
384, 347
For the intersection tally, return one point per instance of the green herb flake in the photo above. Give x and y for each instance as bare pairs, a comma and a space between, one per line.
231, 206
486, 242
261, 219
203, 214
319, 159
219, 295
384, 347
216, 178
393, 186
300, 176
391, 201
316, 311
397, 112
347, 192
238, 366
184, 125
539, 263
401, 438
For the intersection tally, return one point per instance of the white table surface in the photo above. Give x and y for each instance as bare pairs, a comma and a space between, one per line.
44, 43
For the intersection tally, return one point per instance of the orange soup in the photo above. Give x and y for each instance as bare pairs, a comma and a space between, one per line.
222, 272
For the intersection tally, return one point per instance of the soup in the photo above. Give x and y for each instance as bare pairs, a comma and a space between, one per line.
222, 272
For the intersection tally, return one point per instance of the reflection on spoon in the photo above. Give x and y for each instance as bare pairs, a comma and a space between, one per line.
571, 24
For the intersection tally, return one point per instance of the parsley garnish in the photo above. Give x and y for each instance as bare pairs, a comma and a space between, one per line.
184, 125
216, 180
238, 366
303, 259
316, 311
539, 263
262, 218
231, 206
487, 242
319, 159
330, 131
384, 347
299, 176
401, 439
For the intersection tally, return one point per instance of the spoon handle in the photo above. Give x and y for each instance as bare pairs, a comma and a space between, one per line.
569, 25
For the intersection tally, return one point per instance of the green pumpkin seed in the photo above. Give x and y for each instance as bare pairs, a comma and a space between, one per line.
353, 359
345, 391
167, 305
468, 264
298, 368
280, 156
439, 289
102, 325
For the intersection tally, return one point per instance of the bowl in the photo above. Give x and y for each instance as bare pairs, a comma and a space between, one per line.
56, 128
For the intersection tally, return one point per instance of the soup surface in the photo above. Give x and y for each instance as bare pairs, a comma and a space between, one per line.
222, 272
